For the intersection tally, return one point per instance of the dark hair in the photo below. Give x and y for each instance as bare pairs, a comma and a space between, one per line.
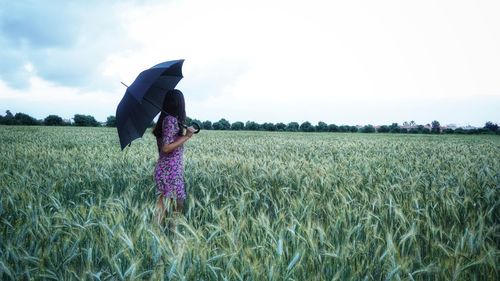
174, 106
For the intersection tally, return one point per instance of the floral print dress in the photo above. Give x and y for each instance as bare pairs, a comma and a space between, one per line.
169, 170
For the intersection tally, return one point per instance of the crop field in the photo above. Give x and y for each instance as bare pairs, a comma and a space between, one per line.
260, 206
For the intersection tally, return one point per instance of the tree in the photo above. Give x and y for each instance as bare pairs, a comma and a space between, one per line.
236, 126
225, 124
292, 127
280, 126
394, 128
491, 126
322, 127
353, 129
25, 119
436, 127
269, 127
306, 127
472, 132
448, 131
368, 129
333, 128
8, 119
344, 128
53, 120
207, 125
111, 121
222, 124
422, 129
85, 121
384, 129
252, 126
217, 126
413, 131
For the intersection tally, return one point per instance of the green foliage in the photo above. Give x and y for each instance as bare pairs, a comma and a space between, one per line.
237, 126
321, 127
384, 129
85, 121
333, 128
268, 126
307, 127
25, 119
260, 206
8, 119
413, 131
280, 127
422, 129
252, 126
20, 119
207, 125
490, 126
222, 124
436, 127
53, 120
111, 121
344, 128
394, 128
368, 129
292, 127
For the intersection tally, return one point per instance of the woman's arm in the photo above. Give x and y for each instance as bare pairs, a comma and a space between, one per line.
169, 147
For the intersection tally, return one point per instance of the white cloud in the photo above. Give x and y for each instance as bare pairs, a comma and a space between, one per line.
41, 98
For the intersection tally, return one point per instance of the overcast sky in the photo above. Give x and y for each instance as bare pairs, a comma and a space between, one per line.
343, 62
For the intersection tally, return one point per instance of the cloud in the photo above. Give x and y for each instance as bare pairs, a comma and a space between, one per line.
65, 41
40, 98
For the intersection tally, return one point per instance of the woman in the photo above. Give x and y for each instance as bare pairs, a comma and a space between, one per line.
169, 170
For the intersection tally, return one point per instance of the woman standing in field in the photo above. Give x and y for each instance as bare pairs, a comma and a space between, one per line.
169, 170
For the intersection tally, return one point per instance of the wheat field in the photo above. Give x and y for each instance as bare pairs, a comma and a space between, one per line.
260, 206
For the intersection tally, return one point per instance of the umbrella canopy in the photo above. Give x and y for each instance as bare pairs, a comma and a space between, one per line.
143, 99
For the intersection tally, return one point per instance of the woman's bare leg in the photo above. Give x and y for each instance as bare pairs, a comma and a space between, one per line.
179, 206
177, 211
160, 211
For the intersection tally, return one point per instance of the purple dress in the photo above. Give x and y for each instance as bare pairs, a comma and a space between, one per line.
169, 170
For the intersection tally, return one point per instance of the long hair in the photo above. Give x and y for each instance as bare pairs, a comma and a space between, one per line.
174, 106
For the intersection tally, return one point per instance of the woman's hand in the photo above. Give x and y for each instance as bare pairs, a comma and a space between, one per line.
190, 131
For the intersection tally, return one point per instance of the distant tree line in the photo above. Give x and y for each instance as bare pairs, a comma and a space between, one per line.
406, 128
79, 120
224, 125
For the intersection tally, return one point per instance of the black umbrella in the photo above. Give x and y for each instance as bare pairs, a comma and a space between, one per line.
143, 99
